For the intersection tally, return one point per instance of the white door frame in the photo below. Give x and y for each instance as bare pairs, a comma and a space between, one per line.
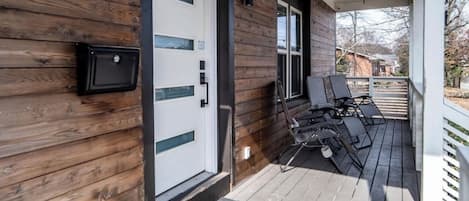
211, 164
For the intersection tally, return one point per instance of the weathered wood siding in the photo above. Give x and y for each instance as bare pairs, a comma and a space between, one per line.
323, 38
256, 124
55, 145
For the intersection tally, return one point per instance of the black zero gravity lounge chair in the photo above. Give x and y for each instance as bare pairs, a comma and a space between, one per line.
319, 103
364, 103
307, 133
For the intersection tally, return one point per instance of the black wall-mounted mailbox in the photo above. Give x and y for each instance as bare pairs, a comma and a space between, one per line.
102, 69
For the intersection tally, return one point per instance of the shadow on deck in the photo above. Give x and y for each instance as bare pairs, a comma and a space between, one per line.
389, 173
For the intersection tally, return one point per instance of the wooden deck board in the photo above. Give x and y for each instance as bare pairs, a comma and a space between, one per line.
351, 183
378, 188
389, 173
246, 191
294, 180
394, 188
278, 180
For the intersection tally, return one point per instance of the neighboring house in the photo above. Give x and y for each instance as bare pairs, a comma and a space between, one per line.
366, 65
203, 116
391, 61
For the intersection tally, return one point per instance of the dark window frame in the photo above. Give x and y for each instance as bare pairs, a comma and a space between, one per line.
292, 7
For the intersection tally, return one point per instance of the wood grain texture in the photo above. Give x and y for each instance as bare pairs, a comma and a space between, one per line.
53, 143
135, 3
257, 72
133, 194
14, 82
106, 189
255, 35
322, 38
16, 24
243, 37
21, 139
33, 54
27, 110
33, 164
108, 11
54, 184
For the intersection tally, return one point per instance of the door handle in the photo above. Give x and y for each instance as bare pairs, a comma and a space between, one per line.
204, 102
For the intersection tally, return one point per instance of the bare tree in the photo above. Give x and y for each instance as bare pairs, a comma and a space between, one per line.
456, 42
454, 19
355, 34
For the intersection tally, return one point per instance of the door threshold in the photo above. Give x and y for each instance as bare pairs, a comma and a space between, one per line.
179, 191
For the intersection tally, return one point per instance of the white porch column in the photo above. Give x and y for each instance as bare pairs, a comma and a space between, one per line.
433, 78
416, 77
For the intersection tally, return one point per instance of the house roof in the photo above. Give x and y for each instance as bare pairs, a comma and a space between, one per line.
359, 54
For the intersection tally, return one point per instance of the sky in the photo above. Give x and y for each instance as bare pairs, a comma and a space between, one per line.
373, 20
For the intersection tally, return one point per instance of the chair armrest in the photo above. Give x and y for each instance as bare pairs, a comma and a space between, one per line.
363, 97
344, 99
313, 126
323, 109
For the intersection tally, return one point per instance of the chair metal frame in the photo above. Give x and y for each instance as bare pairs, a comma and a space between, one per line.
319, 103
344, 100
312, 134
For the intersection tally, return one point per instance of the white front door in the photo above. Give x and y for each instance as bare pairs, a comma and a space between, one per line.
182, 121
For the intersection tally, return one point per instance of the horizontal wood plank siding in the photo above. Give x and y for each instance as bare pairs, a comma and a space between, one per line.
256, 123
55, 145
323, 38
255, 72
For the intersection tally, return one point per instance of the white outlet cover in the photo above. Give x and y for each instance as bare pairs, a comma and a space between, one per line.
247, 153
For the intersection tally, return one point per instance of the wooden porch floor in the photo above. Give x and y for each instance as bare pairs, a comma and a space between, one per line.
389, 173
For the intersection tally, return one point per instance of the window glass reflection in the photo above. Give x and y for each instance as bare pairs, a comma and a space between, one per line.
295, 31
173, 43
188, 1
281, 27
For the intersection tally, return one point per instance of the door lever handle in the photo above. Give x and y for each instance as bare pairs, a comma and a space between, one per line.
203, 81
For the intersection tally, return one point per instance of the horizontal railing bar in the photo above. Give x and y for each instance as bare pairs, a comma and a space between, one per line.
451, 191
456, 132
451, 160
456, 114
391, 104
452, 141
449, 149
447, 198
451, 171
389, 93
451, 180
378, 77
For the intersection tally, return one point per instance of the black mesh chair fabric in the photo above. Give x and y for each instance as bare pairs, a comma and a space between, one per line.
310, 133
344, 99
318, 98
339, 86
316, 92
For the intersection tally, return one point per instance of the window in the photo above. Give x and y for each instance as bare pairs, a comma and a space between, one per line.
290, 49
169, 42
188, 1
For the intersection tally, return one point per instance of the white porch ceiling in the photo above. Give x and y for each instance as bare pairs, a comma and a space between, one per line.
350, 5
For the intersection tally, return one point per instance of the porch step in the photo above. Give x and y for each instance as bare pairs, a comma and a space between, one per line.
211, 190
